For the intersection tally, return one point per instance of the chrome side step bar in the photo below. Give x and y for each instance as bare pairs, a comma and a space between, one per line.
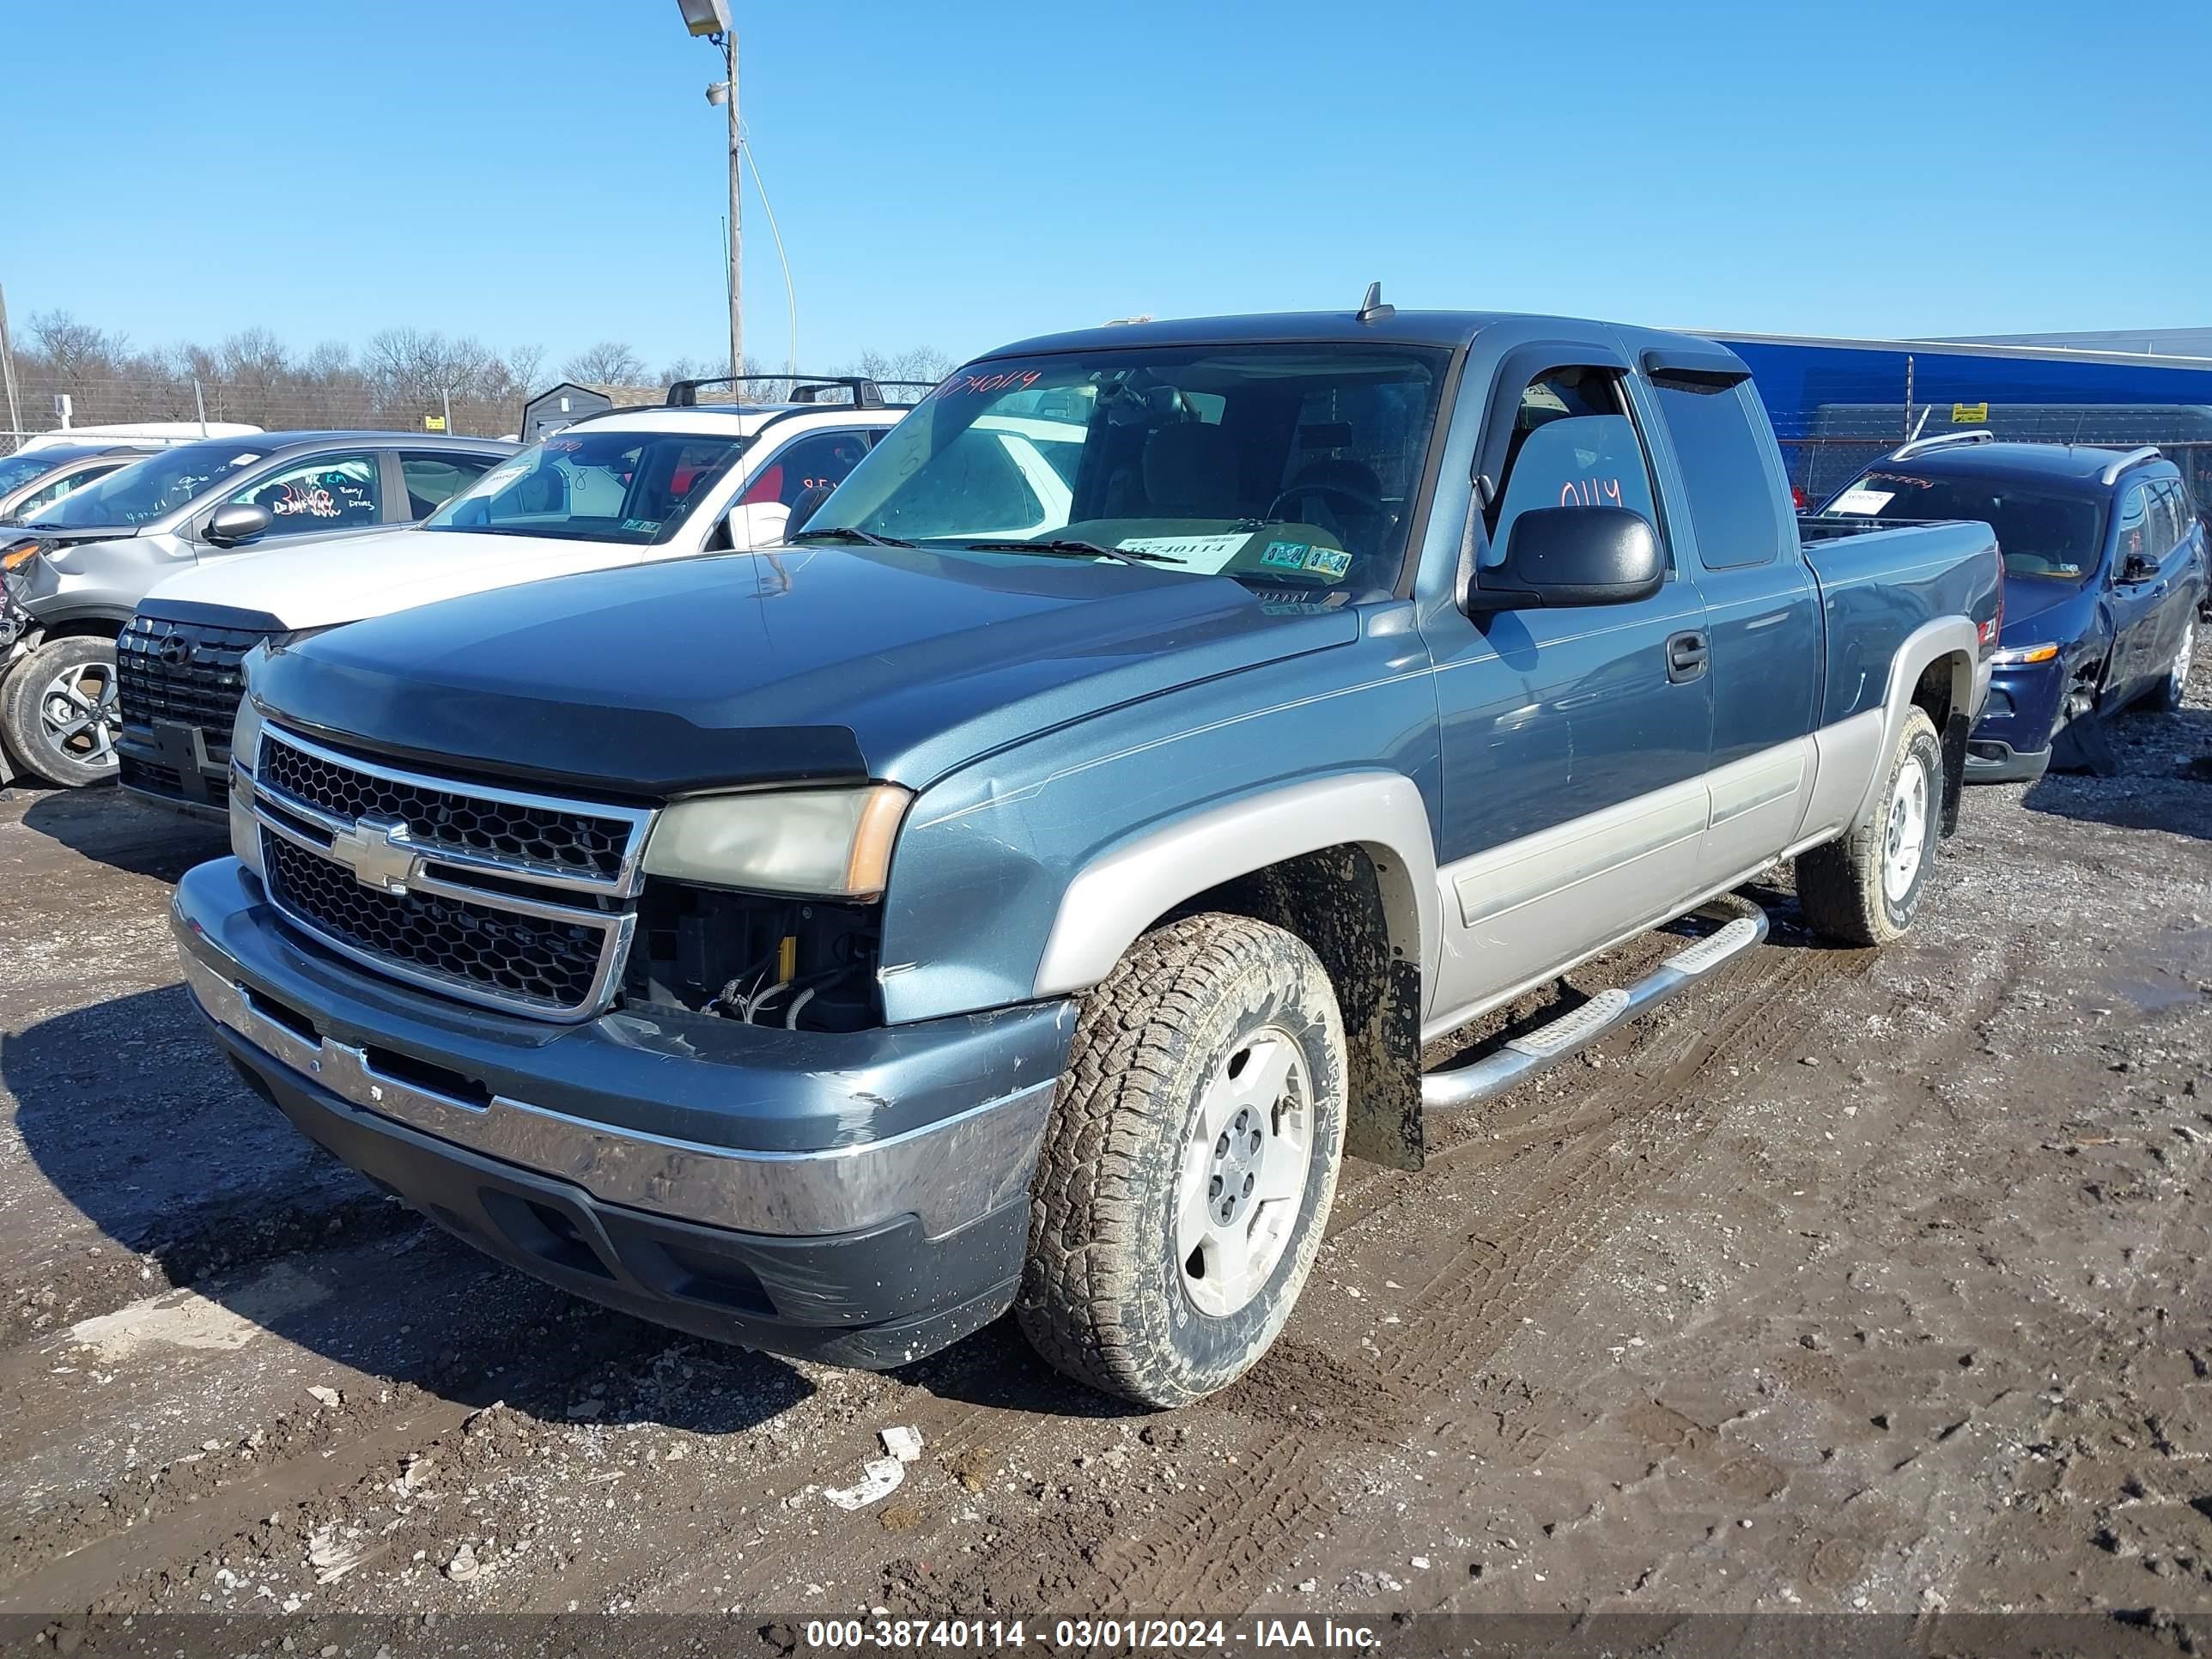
1744, 924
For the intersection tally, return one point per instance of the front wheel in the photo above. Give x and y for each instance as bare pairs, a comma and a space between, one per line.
1189, 1163
2175, 686
58, 711
1864, 888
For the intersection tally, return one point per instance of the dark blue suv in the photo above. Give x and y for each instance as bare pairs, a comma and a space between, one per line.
2106, 566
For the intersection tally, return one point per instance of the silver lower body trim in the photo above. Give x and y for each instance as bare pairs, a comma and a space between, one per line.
947, 1174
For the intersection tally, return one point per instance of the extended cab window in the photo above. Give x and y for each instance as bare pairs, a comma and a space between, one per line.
331, 492
1573, 445
590, 485
1286, 467
1733, 506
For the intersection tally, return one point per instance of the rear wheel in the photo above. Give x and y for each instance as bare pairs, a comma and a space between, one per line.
58, 711
1864, 888
1190, 1162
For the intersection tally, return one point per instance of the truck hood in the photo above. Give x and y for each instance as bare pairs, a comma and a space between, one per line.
372, 575
802, 663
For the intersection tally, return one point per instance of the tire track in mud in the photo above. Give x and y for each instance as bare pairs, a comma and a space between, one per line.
1565, 1173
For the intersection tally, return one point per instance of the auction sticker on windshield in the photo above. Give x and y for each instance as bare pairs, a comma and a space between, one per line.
1206, 553
1867, 501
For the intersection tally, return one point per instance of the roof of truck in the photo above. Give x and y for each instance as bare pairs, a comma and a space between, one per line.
1428, 328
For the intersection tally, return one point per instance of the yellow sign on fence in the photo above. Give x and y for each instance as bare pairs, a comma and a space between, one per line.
437, 423
1969, 413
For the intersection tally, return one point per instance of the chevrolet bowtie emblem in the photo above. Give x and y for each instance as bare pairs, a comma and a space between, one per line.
379, 852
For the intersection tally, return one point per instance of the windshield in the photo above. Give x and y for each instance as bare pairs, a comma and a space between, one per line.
586, 486
1285, 467
146, 489
2043, 535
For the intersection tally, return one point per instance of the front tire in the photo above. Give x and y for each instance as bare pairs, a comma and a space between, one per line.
1189, 1163
1864, 888
2175, 686
59, 712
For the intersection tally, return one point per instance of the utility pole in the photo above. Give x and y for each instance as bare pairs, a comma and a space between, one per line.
736, 232
8, 371
714, 21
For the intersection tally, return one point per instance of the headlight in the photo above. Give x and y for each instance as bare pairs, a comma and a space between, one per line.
824, 843
17, 553
2021, 656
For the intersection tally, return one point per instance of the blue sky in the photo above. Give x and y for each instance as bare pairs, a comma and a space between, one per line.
957, 175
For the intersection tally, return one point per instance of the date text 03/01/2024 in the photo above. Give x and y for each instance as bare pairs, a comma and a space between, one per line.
1085, 1635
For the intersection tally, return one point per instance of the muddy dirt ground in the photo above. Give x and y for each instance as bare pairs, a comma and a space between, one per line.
1872, 1281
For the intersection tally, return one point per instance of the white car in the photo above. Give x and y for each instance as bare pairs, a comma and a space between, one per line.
626, 487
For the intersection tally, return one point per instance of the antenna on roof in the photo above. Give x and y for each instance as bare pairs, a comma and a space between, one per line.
1371, 309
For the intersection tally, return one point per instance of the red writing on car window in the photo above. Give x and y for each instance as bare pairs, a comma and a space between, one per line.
1012, 380
1590, 492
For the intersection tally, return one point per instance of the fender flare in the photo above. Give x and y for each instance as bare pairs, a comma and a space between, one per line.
1121, 892
1955, 637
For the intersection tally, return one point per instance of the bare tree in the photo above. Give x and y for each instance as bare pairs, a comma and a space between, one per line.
610, 362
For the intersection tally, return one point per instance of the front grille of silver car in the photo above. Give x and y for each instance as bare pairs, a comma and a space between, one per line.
509, 900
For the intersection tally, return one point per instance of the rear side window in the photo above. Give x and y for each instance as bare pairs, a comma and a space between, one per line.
1573, 445
1716, 444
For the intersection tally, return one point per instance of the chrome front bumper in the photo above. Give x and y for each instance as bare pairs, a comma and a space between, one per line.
345, 1033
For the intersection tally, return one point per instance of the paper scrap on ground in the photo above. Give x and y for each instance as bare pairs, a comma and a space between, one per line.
880, 1479
902, 1443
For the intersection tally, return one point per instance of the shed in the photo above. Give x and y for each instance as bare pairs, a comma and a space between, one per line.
570, 401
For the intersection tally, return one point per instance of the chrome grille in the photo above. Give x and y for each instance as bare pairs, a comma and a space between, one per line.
540, 964
538, 835
511, 900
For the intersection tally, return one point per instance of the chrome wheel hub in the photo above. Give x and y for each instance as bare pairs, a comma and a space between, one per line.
1243, 1180
79, 715
1905, 838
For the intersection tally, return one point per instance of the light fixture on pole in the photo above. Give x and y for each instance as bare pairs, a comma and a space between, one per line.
712, 20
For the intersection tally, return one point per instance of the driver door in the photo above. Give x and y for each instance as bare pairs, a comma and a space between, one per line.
1574, 741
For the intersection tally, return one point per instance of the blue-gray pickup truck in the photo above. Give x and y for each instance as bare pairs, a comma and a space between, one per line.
1023, 890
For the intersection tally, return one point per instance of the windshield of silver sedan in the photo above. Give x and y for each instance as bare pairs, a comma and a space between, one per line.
1285, 467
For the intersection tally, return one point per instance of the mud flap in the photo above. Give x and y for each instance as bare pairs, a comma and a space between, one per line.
1954, 769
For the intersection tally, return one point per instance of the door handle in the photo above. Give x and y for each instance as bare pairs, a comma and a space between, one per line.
1686, 654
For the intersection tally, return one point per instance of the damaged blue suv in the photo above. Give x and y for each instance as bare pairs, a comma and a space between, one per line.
2106, 569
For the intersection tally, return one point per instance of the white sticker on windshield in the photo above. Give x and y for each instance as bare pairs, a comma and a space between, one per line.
502, 475
1867, 501
1203, 553
244, 460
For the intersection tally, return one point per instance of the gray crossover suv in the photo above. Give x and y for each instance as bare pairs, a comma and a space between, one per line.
74, 575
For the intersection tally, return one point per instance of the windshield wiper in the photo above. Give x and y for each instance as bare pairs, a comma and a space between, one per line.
846, 532
1079, 550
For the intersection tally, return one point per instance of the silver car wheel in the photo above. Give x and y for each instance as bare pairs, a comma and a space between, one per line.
79, 715
1243, 1174
1907, 835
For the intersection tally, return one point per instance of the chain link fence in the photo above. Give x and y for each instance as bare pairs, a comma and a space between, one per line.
115, 401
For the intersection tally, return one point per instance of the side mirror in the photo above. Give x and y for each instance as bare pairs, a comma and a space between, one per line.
810, 501
238, 521
2138, 568
1563, 555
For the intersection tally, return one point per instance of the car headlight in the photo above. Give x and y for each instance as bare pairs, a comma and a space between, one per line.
822, 843
2019, 656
